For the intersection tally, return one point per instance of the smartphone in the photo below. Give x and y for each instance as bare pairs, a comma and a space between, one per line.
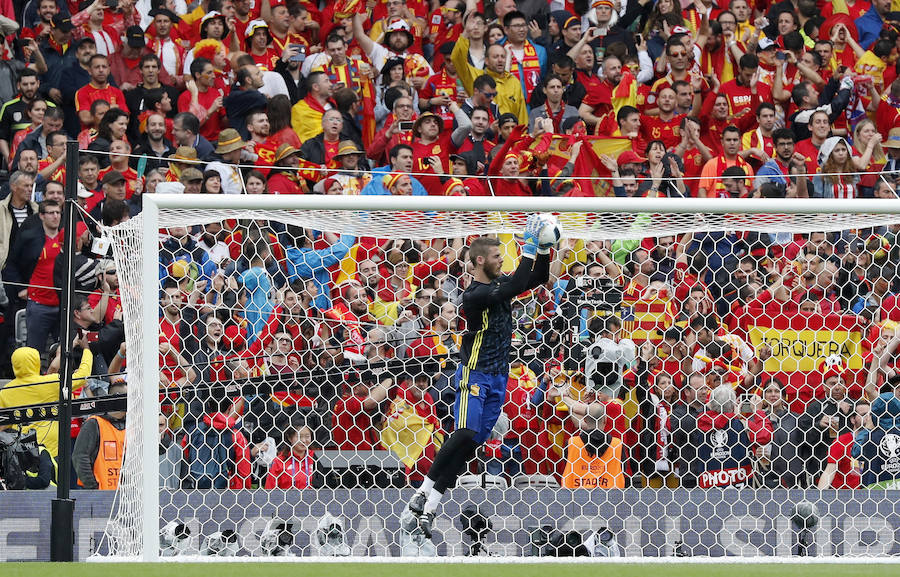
638, 39
780, 56
113, 4
406, 125
300, 56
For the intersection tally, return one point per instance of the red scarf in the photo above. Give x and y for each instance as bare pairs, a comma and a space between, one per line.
529, 68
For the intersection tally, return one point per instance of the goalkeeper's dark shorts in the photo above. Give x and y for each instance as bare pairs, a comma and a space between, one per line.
479, 400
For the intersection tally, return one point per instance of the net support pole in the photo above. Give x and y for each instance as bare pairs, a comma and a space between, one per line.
62, 515
150, 382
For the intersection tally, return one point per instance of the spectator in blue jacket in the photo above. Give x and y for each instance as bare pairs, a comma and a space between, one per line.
307, 262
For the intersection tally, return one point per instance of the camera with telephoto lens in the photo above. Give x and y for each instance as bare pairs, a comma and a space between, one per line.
18, 453
605, 363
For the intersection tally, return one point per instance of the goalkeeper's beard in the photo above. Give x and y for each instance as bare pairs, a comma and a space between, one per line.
492, 271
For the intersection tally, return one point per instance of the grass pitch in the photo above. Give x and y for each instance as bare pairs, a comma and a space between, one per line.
440, 570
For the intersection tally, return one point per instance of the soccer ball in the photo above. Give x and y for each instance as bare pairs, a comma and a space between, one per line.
550, 231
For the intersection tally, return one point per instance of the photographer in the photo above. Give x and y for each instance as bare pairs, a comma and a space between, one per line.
721, 442
31, 388
24, 463
594, 458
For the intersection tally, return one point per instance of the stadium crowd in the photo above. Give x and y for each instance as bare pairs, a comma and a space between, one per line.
794, 99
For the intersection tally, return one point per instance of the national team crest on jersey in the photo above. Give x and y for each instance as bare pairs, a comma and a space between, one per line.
474, 390
718, 439
890, 450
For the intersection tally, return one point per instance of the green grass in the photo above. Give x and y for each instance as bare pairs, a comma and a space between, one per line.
449, 570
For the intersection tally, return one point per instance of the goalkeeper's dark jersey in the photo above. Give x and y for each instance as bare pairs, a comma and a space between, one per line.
486, 308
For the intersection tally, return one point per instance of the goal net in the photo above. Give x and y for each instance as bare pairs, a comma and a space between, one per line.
696, 378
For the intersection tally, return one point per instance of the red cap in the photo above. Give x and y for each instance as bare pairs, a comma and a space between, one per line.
628, 157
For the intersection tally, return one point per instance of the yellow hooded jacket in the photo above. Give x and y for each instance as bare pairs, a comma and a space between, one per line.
26, 363
510, 97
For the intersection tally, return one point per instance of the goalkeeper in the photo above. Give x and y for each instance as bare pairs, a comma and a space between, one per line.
484, 360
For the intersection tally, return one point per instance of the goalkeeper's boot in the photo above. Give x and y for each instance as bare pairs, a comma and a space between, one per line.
426, 522
417, 503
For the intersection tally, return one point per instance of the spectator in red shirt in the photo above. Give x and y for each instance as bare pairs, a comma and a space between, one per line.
352, 424
203, 99
98, 88
34, 255
295, 465
842, 471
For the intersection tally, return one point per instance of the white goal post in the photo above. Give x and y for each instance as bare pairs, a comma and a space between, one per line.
613, 218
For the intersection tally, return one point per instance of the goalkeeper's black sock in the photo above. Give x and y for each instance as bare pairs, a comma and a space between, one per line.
451, 459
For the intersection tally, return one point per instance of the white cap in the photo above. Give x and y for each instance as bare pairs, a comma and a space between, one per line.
170, 188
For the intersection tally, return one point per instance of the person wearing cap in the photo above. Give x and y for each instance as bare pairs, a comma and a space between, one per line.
114, 188
54, 47
509, 94
192, 179
256, 41
397, 184
892, 146
413, 25
228, 148
432, 145
570, 33
284, 177
306, 115
397, 36
184, 157
350, 159
170, 53
125, 63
